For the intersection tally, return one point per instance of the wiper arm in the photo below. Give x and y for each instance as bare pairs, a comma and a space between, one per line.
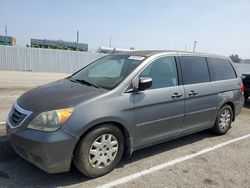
71, 79
87, 83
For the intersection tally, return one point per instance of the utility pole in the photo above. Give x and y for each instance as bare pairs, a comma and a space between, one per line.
77, 36
6, 30
185, 47
110, 42
195, 42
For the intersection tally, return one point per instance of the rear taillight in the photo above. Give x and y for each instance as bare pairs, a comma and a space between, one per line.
242, 88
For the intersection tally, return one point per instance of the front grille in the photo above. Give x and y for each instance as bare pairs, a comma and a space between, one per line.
16, 117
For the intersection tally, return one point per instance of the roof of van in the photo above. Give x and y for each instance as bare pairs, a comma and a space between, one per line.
147, 53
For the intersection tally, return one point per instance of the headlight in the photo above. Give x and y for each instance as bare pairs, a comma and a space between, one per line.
51, 120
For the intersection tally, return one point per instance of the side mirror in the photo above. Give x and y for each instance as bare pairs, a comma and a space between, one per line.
144, 83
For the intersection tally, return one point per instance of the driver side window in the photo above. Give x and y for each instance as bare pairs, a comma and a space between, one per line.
163, 72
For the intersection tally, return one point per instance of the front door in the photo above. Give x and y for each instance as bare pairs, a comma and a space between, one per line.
159, 110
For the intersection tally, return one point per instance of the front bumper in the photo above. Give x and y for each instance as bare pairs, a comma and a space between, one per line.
50, 151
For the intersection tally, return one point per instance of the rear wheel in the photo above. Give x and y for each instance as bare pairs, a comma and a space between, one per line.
223, 120
99, 151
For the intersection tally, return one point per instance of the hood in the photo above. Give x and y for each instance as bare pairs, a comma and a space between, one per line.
57, 95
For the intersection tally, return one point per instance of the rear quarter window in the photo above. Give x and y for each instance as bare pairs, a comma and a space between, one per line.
220, 69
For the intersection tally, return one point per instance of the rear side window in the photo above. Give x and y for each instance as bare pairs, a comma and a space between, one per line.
220, 69
194, 70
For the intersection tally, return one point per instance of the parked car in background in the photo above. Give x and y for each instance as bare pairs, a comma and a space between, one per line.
246, 82
121, 103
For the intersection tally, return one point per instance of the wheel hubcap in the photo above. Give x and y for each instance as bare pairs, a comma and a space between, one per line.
225, 119
103, 151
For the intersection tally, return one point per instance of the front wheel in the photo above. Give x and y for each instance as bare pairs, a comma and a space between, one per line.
223, 120
99, 151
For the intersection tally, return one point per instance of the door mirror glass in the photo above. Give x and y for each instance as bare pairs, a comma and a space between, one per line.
145, 83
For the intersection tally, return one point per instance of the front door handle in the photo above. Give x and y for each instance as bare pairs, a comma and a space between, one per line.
192, 93
176, 95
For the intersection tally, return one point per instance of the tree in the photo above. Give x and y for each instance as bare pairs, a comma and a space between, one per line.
235, 58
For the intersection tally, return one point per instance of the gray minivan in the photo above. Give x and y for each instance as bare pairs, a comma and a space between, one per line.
121, 103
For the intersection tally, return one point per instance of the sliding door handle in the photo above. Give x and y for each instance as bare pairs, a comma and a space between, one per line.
192, 93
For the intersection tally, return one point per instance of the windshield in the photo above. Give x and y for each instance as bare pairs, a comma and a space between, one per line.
108, 71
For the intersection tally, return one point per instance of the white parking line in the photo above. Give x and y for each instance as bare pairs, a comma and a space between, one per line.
2, 123
134, 176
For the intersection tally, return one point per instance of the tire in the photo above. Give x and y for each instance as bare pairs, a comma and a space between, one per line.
223, 120
101, 142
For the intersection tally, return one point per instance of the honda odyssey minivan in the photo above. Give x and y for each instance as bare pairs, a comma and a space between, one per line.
121, 103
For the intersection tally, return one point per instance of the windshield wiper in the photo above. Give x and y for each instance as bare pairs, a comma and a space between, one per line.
71, 79
87, 83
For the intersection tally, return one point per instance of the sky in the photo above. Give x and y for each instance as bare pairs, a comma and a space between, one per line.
218, 26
